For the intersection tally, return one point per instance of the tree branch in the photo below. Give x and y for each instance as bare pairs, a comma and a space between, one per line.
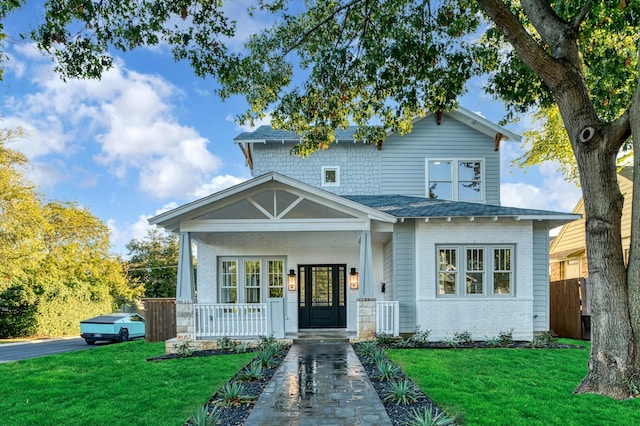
577, 20
531, 53
319, 24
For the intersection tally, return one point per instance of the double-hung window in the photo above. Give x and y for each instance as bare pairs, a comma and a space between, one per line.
242, 280
457, 180
474, 271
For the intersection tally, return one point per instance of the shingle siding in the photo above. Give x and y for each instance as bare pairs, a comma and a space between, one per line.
359, 165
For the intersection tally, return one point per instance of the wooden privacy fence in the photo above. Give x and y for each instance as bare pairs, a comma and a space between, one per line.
569, 309
160, 319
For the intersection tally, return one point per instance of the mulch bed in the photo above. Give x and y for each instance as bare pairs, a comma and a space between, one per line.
399, 414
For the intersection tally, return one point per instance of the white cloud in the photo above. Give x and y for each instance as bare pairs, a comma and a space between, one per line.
553, 192
127, 115
247, 127
217, 184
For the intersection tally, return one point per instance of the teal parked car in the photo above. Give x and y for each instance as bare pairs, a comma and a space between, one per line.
114, 327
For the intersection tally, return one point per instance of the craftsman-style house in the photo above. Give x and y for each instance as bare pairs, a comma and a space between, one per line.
366, 238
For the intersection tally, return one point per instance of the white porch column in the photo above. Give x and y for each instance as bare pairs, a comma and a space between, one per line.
366, 266
185, 288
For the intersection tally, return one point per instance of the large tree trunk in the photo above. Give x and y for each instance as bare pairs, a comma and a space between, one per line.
595, 143
612, 359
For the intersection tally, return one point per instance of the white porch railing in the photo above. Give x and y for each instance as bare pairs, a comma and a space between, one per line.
230, 320
388, 318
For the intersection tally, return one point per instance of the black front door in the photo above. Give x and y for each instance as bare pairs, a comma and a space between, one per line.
322, 296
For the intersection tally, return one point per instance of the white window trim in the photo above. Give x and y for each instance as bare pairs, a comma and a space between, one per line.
461, 271
324, 175
454, 177
240, 276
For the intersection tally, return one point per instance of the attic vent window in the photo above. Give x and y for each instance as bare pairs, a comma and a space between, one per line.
330, 176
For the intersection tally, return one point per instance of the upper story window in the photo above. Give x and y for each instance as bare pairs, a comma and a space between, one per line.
330, 176
458, 180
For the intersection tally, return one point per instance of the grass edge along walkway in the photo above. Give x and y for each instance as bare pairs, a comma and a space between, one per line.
112, 384
512, 386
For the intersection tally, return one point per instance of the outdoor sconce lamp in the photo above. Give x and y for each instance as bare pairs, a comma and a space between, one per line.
292, 280
353, 279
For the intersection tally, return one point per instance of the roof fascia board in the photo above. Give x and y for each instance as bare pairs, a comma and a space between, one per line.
274, 225
482, 124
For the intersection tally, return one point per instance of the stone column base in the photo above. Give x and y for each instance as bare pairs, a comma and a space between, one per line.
184, 320
366, 318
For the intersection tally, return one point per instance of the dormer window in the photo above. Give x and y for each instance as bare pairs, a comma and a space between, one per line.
330, 176
457, 180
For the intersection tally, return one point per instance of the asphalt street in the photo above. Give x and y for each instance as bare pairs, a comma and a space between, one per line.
35, 348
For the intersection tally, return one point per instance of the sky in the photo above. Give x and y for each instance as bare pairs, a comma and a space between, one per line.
151, 136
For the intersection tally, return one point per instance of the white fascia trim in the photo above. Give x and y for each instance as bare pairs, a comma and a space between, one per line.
270, 225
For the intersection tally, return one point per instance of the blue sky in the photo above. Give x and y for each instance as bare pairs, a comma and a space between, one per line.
151, 136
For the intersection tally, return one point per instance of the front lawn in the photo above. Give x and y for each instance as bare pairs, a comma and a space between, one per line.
512, 386
112, 384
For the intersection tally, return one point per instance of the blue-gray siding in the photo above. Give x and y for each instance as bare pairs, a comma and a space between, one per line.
387, 273
404, 289
404, 157
540, 276
398, 169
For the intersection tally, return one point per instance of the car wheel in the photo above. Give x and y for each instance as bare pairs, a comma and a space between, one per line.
124, 335
90, 341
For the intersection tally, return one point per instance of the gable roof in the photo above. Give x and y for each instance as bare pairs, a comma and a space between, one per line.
203, 207
266, 133
428, 208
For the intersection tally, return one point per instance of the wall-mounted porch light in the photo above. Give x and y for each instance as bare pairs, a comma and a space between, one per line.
292, 280
353, 279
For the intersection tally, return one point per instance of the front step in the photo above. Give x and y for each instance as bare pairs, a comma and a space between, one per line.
322, 336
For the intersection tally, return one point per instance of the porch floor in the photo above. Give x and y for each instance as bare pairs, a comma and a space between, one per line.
321, 335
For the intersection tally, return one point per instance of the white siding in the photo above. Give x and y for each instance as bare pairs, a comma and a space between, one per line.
486, 316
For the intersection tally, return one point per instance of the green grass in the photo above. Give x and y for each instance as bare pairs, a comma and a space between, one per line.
513, 386
112, 385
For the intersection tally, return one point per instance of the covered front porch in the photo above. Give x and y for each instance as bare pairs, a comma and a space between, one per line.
275, 257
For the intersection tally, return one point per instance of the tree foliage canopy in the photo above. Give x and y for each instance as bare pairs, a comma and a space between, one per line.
153, 263
55, 264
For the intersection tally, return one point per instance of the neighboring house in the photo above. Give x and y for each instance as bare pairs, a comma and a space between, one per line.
366, 238
568, 250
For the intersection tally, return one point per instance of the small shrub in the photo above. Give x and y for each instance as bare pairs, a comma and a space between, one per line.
367, 348
400, 392
253, 371
233, 394
544, 339
378, 356
505, 338
266, 356
226, 344
203, 417
404, 343
449, 342
384, 339
183, 347
428, 417
492, 342
243, 347
420, 336
462, 338
386, 371
267, 341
